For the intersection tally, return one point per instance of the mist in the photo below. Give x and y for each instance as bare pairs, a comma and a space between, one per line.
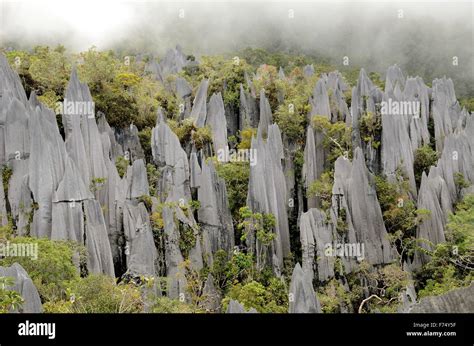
421, 37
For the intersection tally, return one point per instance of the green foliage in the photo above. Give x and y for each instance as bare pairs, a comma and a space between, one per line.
6, 231
229, 272
187, 238
97, 68
331, 296
50, 69
147, 201
183, 130
202, 137
401, 217
246, 136
337, 137
124, 95
121, 163
7, 173
468, 103
98, 294
262, 224
225, 76
446, 280
97, 183
451, 262
267, 79
271, 299
50, 99
460, 182
145, 141
322, 188
370, 126
291, 119
53, 267
425, 157
236, 176
165, 305
377, 80
153, 175
9, 299
461, 224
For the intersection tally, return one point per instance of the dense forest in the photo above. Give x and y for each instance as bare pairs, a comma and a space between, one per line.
230, 183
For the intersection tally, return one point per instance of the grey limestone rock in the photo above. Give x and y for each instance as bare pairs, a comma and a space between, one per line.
217, 121
25, 287
97, 242
199, 110
214, 214
137, 180
353, 191
173, 164
267, 187
140, 251
249, 113
459, 300
303, 299
315, 234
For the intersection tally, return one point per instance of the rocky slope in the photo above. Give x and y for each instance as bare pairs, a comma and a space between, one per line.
67, 186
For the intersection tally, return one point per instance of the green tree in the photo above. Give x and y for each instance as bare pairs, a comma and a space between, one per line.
425, 157
10, 300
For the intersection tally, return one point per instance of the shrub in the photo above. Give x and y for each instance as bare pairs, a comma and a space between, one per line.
371, 129
236, 177
271, 299
99, 294
122, 165
425, 157
246, 136
202, 136
9, 299
322, 188
337, 137
53, 267
165, 305
451, 262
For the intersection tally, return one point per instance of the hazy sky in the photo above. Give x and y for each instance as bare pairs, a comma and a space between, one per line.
424, 34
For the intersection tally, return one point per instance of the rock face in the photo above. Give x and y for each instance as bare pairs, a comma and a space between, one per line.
199, 111
320, 100
172, 161
217, 121
172, 63
313, 166
438, 190
353, 192
433, 196
70, 188
140, 250
460, 300
214, 214
315, 234
174, 259
24, 286
249, 114
266, 118
303, 299
267, 187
